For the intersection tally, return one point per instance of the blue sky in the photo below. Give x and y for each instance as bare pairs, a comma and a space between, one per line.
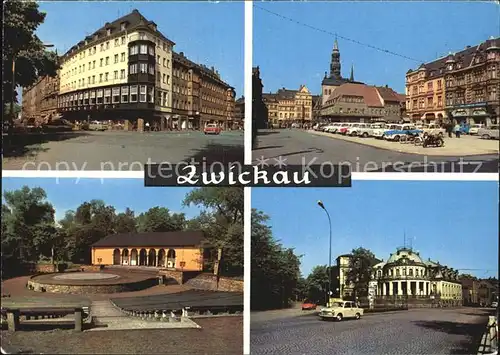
290, 54
68, 194
208, 33
455, 223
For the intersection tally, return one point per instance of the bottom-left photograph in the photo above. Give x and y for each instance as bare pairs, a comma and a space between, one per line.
110, 266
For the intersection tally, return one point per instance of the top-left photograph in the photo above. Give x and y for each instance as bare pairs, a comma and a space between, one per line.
117, 85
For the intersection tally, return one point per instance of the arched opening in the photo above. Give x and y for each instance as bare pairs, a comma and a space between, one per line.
171, 258
142, 257
161, 258
133, 257
125, 256
152, 257
116, 257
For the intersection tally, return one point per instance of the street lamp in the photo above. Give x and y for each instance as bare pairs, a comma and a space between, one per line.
320, 204
14, 82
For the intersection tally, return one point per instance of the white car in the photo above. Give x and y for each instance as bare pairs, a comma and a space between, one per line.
380, 132
433, 129
474, 129
332, 128
355, 129
341, 310
399, 131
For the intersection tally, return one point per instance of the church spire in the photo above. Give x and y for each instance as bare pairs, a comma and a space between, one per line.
335, 71
351, 78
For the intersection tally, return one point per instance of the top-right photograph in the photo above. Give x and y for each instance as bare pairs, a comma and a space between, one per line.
384, 87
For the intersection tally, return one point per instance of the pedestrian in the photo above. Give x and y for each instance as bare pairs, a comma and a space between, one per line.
449, 129
147, 126
457, 130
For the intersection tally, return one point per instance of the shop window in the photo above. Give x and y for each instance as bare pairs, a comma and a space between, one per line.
124, 94
133, 93
142, 93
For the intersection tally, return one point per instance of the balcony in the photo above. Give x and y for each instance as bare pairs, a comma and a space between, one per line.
144, 37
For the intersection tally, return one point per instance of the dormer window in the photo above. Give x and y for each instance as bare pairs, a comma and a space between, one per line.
96, 36
108, 31
123, 25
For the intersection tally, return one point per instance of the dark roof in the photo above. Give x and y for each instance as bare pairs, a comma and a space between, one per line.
132, 20
210, 72
465, 57
153, 239
388, 94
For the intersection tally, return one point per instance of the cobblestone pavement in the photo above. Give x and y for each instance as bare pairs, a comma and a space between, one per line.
298, 146
217, 336
124, 151
415, 332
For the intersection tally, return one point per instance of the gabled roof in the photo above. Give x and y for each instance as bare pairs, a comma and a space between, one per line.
368, 93
153, 239
388, 94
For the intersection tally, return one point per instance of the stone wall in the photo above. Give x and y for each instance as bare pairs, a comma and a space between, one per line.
204, 282
45, 268
172, 276
230, 284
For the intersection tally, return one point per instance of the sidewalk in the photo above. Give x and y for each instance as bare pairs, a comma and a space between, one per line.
456, 147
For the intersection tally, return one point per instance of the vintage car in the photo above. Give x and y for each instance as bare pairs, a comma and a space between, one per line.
212, 128
355, 128
433, 129
474, 129
400, 130
343, 128
331, 128
488, 132
341, 310
380, 132
308, 305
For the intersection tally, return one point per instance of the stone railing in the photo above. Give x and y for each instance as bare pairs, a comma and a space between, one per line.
489, 341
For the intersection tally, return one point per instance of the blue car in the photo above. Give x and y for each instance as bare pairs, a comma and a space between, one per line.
401, 130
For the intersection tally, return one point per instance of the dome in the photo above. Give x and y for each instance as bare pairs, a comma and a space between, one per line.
405, 253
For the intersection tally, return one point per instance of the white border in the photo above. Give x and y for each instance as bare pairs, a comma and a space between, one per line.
247, 235
103, 174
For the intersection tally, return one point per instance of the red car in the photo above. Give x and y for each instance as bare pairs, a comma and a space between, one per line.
308, 306
212, 128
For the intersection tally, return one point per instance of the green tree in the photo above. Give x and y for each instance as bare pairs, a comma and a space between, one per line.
275, 270
125, 222
28, 226
360, 268
317, 284
222, 222
160, 219
22, 46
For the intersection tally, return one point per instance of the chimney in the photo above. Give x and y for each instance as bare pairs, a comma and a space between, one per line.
213, 69
467, 47
181, 54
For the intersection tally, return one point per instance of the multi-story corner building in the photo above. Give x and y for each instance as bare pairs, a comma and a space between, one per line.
239, 112
316, 108
199, 95
127, 72
463, 87
39, 103
259, 109
289, 106
354, 102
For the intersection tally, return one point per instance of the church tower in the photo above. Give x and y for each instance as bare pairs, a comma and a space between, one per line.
335, 63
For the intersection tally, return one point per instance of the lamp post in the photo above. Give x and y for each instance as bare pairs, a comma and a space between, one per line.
320, 204
14, 58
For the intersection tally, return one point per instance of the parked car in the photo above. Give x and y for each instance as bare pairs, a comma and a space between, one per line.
474, 129
308, 305
433, 129
343, 128
341, 310
380, 132
400, 130
489, 132
332, 128
212, 128
98, 126
355, 128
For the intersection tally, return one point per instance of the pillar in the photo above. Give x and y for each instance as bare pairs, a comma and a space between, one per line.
78, 320
126, 125
140, 125
129, 257
13, 320
408, 288
391, 289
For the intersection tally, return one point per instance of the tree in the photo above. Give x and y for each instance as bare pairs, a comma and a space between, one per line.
222, 222
159, 219
275, 270
21, 44
317, 284
359, 273
125, 222
28, 226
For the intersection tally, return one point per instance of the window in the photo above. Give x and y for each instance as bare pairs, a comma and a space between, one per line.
101, 62
117, 42
164, 62
90, 65
142, 97
86, 98
123, 57
122, 26
151, 50
165, 98
90, 51
107, 60
164, 46
158, 59
143, 68
83, 68
122, 74
108, 31
99, 96
151, 69
123, 39
102, 47
132, 69
116, 74
92, 97
133, 93
106, 76
93, 64
93, 79
143, 49
116, 58
124, 94
133, 50
107, 96
116, 95
168, 66
168, 79
164, 78
142, 35
107, 45
100, 78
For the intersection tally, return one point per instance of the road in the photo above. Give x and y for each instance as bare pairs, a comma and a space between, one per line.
299, 146
115, 150
415, 332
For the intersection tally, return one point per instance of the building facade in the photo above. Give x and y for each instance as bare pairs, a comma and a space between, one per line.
259, 109
476, 292
239, 112
463, 87
127, 72
39, 103
289, 106
173, 250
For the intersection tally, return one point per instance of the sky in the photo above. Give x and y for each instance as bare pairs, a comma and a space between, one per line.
69, 193
208, 33
290, 55
455, 223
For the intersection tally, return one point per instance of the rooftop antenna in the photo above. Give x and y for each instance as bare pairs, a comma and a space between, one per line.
404, 239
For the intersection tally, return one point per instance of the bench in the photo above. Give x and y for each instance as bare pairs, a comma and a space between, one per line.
45, 313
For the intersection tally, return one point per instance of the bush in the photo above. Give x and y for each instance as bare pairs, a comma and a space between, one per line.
61, 267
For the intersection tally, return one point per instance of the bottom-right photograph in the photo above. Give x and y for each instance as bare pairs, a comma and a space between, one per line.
383, 267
